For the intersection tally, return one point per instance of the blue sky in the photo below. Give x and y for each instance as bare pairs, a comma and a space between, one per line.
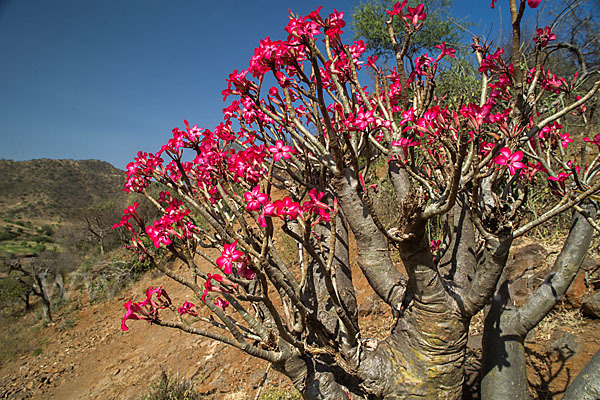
103, 79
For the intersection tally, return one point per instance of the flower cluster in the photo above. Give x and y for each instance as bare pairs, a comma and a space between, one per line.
147, 309
225, 286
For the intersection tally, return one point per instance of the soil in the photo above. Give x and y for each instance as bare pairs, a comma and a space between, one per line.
94, 359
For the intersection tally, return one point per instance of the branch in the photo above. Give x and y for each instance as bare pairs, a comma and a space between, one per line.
557, 210
252, 350
543, 299
372, 246
557, 115
489, 269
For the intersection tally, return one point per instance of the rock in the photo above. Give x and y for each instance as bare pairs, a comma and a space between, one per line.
577, 290
524, 285
526, 258
565, 343
526, 270
590, 306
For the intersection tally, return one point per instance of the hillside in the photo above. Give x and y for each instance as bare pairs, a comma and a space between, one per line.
84, 354
55, 189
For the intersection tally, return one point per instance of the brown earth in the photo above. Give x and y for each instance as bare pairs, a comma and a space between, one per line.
94, 359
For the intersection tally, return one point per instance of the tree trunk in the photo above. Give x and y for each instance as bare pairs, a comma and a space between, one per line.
504, 374
26, 300
423, 359
424, 355
42, 292
60, 284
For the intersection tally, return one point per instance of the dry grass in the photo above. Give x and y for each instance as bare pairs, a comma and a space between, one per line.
558, 319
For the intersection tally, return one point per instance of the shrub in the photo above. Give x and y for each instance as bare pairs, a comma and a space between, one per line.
172, 388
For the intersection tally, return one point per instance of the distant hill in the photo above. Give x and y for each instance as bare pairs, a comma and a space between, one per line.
52, 189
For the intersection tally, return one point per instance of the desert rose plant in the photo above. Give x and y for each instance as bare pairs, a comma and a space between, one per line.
293, 161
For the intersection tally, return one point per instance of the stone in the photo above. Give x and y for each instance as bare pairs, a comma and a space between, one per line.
590, 306
525, 270
525, 258
577, 290
565, 344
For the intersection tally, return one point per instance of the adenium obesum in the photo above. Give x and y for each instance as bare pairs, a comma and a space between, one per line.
148, 308
258, 210
226, 159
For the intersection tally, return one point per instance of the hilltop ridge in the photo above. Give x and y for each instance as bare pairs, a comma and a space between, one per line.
51, 189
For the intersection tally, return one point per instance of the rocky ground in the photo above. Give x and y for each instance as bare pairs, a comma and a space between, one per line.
91, 358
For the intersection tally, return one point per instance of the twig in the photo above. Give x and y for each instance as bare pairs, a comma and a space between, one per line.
262, 382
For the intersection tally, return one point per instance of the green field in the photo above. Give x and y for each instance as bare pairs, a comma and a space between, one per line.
9, 248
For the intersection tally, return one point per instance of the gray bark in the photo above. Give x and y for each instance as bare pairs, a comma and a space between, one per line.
459, 259
372, 246
504, 374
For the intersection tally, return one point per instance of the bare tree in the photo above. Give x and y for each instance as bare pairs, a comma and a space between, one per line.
34, 279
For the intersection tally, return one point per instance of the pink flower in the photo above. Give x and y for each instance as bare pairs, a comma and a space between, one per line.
552, 83
287, 207
314, 204
423, 64
188, 308
445, 51
128, 213
228, 256
255, 199
561, 177
534, 169
560, 180
414, 15
280, 151
405, 144
148, 309
435, 245
363, 119
511, 160
268, 210
544, 36
565, 140
397, 9
221, 303
160, 292
132, 309
534, 3
477, 115
208, 284
227, 286
595, 141
244, 271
